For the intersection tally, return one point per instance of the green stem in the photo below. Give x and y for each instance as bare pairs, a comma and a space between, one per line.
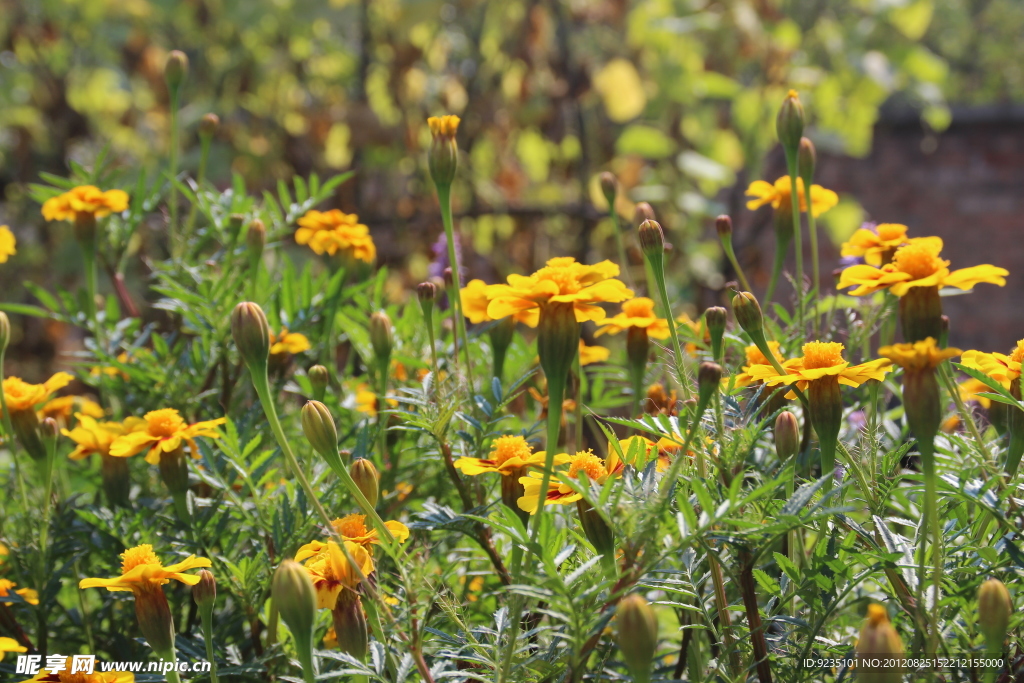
204, 156
206, 615
455, 300
382, 418
730, 254
172, 199
578, 440
931, 506
812, 228
781, 247
791, 163
658, 266
620, 245
12, 441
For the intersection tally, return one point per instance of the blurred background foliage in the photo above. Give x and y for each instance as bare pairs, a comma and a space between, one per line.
676, 97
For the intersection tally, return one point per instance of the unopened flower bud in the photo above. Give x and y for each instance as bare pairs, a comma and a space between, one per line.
256, 239
350, 626
367, 479
716, 318
943, 331
637, 635
5, 331
807, 159
381, 336
652, 239
49, 429
994, 610
155, 621
251, 332
176, 69
723, 225
609, 188
208, 125
643, 212
748, 313
787, 435
426, 292
443, 158
878, 642
558, 340
709, 379
449, 280
295, 598
318, 379
205, 592
321, 432
174, 472
789, 124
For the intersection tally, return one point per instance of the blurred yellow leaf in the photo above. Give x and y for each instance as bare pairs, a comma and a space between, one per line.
621, 89
337, 153
913, 20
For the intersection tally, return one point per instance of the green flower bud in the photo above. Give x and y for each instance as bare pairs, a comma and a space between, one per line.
350, 625
426, 292
748, 313
921, 314
174, 471
295, 598
878, 641
716, 318
807, 159
501, 334
443, 158
49, 430
155, 621
256, 239
652, 239
318, 378
789, 124
176, 69
117, 482
637, 636
367, 479
787, 435
208, 125
994, 610
205, 592
709, 379
5, 331
609, 188
381, 336
723, 226
558, 340
321, 432
252, 334
597, 531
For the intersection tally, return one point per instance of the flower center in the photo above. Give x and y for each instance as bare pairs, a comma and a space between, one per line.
919, 260
137, 556
351, 526
822, 355
67, 677
755, 357
587, 462
165, 422
563, 277
887, 232
641, 307
508, 447
1017, 355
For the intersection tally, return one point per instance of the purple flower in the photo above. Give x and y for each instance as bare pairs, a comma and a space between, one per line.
440, 262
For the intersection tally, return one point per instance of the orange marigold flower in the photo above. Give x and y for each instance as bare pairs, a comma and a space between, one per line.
332, 573
922, 355
92, 437
142, 571
353, 528
165, 430
10, 645
8, 245
27, 594
876, 246
559, 493
60, 409
331, 232
288, 342
593, 354
999, 366
508, 454
820, 359
83, 201
22, 396
779, 196
755, 357
638, 312
475, 302
45, 674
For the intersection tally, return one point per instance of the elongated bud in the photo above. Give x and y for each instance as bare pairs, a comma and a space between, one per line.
5, 331
638, 350
652, 239
318, 378
944, 332
426, 292
256, 239
808, 160
787, 435
208, 125
597, 531
643, 212
748, 313
558, 340
789, 124
878, 641
252, 333
155, 621
994, 610
295, 598
609, 188
205, 592
174, 471
367, 479
709, 379
443, 158
637, 636
723, 226
501, 334
350, 626
176, 69
716, 318
320, 430
449, 280
49, 430
381, 336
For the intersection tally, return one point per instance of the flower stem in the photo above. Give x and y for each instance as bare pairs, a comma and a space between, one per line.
658, 266
444, 193
620, 245
172, 198
206, 616
730, 254
931, 509
794, 201
12, 441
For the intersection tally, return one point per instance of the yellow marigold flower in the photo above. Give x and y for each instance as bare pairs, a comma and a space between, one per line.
398, 371
92, 437
330, 640
820, 360
65, 676
950, 424
366, 400
352, 528
922, 355
779, 196
971, 388
755, 357
638, 312
60, 409
1000, 367
8, 245
475, 302
142, 571
660, 401
164, 432
593, 354
562, 280
444, 126
288, 342
917, 265
331, 572
27, 594
85, 200
508, 454
334, 231
10, 645
876, 246
697, 329
22, 396
559, 493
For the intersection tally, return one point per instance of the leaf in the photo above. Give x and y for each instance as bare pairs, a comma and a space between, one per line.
803, 496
